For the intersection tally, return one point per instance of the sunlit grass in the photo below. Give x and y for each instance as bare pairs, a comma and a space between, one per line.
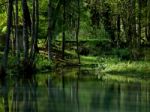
117, 67
88, 60
84, 59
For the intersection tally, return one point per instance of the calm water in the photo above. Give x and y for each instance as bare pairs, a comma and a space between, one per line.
45, 93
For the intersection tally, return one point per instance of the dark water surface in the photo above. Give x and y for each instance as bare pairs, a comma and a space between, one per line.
46, 93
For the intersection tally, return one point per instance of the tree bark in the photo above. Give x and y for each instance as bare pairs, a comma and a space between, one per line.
63, 33
134, 43
148, 19
139, 23
33, 31
107, 21
16, 33
36, 25
49, 38
9, 26
77, 30
25, 30
118, 30
132, 25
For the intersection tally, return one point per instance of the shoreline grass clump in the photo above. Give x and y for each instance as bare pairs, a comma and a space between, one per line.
129, 68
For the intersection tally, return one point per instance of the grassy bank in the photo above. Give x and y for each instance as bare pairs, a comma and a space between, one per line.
115, 69
103, 67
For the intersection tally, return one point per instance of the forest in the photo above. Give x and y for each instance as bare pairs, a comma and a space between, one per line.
58, 55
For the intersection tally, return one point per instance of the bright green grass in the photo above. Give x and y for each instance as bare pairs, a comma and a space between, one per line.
84, 59
118, 68
88, 60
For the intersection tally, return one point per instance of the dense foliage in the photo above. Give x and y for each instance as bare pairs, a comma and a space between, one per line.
86, 27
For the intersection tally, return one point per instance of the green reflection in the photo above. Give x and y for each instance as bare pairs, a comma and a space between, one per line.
70, 90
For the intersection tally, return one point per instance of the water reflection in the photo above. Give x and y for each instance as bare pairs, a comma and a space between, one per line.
63, 94
95, 101
4, 94
24, 96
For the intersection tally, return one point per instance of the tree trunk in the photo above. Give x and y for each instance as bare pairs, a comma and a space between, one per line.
134, 43
139, 23
49, 38
148, 17
36, 25
132, 25
107, 21
16, 33
118, 30
25, 30
13, 39
134, 37
9, 26
77, 30
33, 30
63, 33
147, 26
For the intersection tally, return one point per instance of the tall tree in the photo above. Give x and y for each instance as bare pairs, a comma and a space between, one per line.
77, 30
9, 26
63, 33
118, 30
133, 24
107, 21
26, 24
16, 33
148, 19
33, 30
36, 24
139, 22
49, 37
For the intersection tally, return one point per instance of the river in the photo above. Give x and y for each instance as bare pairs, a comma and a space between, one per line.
72, 91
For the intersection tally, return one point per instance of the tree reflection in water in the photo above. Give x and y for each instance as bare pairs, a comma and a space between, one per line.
24, 96
4, 91
64, 94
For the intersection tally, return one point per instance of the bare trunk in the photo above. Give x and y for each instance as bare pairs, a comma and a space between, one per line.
16, 34
49, 38
33, 30
139, 23
77, 30
9, 25
118, 30
36, 25
132, 25
148, 15
134, 43
13, 39
25, 30
147, 27
63, 33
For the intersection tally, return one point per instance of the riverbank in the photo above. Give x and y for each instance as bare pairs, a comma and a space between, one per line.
97, 67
